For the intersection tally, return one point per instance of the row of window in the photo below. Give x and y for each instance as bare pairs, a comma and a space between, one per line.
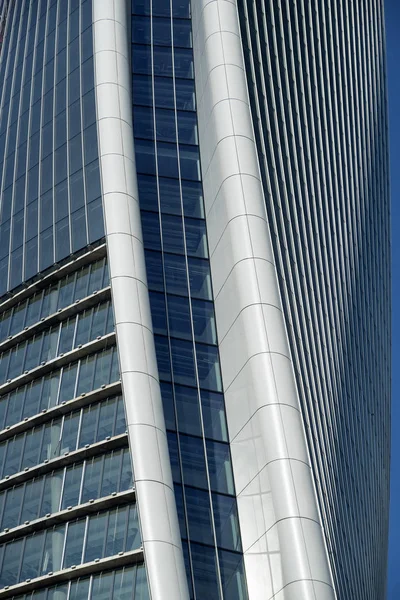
65, 434
167, 92
171, 196
186, 363
178, 272
165, 62
66, 291
71, 486
64, 384
164, 123
73, 543
172, 161
199, 525
162, 32
129, 583
193, 243
58, 339
161, 8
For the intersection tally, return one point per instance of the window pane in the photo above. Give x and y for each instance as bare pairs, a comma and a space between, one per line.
200, 279
116, 531
180, 322
96, 537
199, 516
208, 367
193, 463
188, 412
204, 571
31, 561
232, 575
214, 419
226, 522
92, 478
72, 486
219, 467
74, 544
176, 274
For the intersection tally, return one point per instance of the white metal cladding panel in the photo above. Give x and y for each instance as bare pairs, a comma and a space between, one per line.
316, 73
144, 412
284, 548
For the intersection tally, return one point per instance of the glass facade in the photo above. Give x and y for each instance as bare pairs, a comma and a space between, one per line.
178, 273
49, 173
316, 76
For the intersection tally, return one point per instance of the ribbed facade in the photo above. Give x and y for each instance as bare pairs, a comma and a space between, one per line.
194, 300
317, 83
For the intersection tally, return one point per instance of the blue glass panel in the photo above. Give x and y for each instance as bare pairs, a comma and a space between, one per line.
214, 419
180, 323
200, 278
187, 409
145, 157
163, 357
219, 467
193, 461
167, 160
232, 575
183, 361
205, 572
226, 522
158, 313
176, 274
199, 516
142, 90
182, 33
154, 270
208, 367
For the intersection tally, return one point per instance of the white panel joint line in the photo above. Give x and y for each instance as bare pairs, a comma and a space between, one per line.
283, 540
145, 418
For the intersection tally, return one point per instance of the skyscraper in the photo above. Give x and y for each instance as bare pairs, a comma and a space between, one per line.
194, 300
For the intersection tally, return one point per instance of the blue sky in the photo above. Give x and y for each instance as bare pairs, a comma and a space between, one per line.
392, 8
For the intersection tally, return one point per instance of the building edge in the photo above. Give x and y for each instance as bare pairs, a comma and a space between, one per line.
139, 374
285, 552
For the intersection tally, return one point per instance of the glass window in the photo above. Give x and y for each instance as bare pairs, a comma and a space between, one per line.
31, 502
164, 92
12, 507
31, 561
183, 62
163, 358
183, 362
158, 313
51, 493
187, 127
111, 473
143, 122
154, 270
193, 462
199, 516
151, 230
162, 65
185, 94
142, 90
180, 323
53, 549
214, 419
219, 467
141, 30
232, 575
116, 531
182, 33
187, 408
208, 367
173, 240
176, 274
200, 278
226, 522
141, 59
74, 544
92, 478
70, 432
189, 162
204, 570
145, 156
11, 563
167, 160
89, 425
94, 547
